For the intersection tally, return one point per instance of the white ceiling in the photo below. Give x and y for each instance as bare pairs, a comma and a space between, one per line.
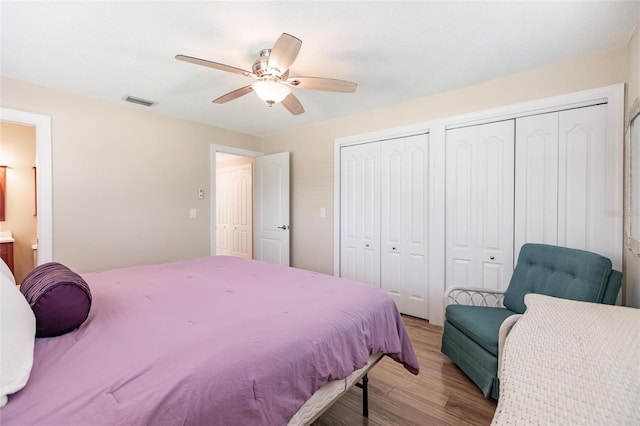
395, 51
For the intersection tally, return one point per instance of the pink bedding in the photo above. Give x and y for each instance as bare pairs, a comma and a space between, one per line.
216, 341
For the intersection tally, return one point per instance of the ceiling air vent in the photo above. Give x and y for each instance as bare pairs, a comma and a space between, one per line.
139, 101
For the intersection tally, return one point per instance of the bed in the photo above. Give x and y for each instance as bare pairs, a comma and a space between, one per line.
217, 340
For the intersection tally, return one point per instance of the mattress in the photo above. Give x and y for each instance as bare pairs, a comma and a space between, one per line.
217, 340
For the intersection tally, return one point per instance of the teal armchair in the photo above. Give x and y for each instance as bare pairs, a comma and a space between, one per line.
477, 320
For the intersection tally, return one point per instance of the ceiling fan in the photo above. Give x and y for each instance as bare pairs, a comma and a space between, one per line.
271, 72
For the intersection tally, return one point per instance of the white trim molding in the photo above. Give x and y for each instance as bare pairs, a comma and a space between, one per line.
632, 192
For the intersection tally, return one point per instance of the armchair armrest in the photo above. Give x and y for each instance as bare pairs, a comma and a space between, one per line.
505, 328
473, 296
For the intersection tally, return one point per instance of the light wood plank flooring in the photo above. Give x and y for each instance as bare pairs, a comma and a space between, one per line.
440, 395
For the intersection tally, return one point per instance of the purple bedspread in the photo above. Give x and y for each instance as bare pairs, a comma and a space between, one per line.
215, 341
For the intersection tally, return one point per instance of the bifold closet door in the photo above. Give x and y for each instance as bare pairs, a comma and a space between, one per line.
360, 213
565, 175
587, 202
405, 223
536, 190
479, 205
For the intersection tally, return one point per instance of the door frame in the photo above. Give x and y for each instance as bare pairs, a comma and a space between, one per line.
213, 149
44, 194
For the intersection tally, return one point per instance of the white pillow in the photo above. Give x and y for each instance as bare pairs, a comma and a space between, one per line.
17, 336
5, 273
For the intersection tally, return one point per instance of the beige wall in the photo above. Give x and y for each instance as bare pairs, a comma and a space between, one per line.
632, 262
312, 146
18, 152
124, 179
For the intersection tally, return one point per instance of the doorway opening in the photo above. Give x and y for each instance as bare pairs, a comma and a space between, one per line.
270, 213
18, 224
223, 157
41, 178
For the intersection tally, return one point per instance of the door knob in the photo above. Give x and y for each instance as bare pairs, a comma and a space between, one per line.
285, 227
492, 257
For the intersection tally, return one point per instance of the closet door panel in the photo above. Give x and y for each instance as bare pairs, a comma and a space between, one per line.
360, 213
460, 210
416, 218
536, 181
459, 272
583, 221
479, 203
493, 275
394, 193
496, 203
405, 213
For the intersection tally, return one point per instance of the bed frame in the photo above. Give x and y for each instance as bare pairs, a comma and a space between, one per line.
327, 395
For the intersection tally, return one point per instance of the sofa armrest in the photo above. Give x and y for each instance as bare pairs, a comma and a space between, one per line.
505, 328
473, 296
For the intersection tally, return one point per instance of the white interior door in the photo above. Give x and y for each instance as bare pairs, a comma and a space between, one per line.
405, 222
234, 209
223, 212
360, 213
479, 205
271, 208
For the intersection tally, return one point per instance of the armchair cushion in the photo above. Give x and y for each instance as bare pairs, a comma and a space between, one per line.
479, 323
613, 288
557, 271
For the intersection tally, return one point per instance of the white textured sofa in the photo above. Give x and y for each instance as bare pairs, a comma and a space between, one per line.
569, 362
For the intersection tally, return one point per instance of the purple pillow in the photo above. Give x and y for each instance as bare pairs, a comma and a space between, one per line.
59, 298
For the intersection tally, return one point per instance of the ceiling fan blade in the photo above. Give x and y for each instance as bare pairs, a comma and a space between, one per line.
233, 95
325, 84
284, 52
210, 64
293, 104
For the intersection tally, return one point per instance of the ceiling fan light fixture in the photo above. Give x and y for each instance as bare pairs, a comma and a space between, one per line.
271, 91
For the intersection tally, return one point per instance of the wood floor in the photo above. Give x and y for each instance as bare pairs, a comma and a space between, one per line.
440, 395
